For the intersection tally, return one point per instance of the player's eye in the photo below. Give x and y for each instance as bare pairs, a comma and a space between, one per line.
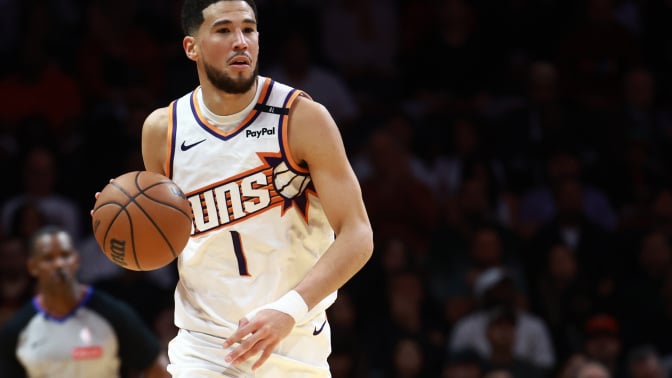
249, 30
223, 30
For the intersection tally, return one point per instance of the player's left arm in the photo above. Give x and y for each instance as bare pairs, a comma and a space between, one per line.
315, 140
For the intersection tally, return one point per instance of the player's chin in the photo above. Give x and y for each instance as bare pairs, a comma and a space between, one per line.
245, 70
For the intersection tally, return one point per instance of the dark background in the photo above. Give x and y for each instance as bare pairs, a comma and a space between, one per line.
484, 133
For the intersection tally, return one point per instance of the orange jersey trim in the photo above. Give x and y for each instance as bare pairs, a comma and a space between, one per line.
170, 140
214, 129
285, 135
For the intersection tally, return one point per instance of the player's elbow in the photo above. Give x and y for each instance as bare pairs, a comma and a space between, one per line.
365, 240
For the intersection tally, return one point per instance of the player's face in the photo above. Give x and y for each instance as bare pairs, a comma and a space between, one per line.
54, 260
227, 46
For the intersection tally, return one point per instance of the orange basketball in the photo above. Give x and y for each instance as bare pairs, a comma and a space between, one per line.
141, 220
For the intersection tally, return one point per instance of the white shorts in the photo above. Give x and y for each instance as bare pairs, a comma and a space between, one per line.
300, 355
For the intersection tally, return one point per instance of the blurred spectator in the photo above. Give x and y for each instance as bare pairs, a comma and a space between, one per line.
455, 79
660, 211
644, 311
411, 219
16, 285
642, 127
643, 115
303, 14
561, 295
643, 361
657, 25
501, 373
540, 204
411, 312
594, 55
526, 133
10, 29
392, 257
501, 335
28, 89
633, 177
454, 270
348, 358
116, 52
367, 30
463, 161
592, 369
571, 227
603, 343
408, 359
27, 219
40, 176
496, 290
465, 363
297, 67
345, 359
569, 367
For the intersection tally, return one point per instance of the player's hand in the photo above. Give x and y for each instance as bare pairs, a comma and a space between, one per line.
96, 197
262, 334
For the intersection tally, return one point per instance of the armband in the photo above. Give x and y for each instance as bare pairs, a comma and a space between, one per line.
291, 304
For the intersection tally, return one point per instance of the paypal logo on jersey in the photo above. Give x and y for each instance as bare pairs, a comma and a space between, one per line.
259, 133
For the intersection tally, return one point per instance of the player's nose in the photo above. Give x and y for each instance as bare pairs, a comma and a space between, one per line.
240, 42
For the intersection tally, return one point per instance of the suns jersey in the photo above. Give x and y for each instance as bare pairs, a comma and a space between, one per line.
258, 225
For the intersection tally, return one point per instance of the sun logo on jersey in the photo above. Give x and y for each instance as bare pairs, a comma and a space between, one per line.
291, 185
272, 183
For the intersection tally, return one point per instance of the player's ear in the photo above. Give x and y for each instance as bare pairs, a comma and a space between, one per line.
190, 48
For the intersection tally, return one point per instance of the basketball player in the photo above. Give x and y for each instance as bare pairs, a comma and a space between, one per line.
70, 329
279, 221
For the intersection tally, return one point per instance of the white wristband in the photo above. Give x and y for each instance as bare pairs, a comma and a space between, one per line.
291, 304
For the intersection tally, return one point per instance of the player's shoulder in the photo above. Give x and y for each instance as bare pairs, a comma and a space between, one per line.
158, 117
305, 108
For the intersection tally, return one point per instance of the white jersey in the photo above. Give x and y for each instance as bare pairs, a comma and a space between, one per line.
258, 225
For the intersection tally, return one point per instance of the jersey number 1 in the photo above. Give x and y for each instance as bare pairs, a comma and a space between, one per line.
240, 255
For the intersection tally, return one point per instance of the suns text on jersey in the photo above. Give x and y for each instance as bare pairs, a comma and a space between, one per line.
234, 199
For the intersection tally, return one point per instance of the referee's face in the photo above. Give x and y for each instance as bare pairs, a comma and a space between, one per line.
54, 261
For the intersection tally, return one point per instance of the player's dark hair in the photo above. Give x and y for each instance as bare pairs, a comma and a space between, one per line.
45, 230
192, 13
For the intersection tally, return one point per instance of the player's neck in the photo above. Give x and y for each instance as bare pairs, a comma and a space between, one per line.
224, 103
61, 301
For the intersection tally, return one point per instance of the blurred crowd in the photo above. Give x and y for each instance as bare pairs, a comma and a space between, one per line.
513, 154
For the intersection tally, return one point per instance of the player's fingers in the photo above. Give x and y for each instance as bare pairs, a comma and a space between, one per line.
254, 346
244, 328
96, 195
264, 356
234, 357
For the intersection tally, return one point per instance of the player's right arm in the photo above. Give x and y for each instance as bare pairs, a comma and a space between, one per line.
154, 140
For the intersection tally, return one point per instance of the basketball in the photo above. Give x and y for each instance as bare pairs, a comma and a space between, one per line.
141, 220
